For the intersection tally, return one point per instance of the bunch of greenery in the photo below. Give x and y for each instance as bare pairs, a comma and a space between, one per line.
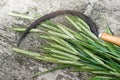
77, 48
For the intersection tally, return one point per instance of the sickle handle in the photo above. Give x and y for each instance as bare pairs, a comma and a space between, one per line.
110, 38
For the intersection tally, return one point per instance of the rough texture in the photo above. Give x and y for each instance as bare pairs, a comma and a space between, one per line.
18, 67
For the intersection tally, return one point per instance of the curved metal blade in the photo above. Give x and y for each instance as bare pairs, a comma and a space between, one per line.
48, 16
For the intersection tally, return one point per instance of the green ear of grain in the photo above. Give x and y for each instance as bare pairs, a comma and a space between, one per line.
23, 29
28, 53
21, 16
51, 70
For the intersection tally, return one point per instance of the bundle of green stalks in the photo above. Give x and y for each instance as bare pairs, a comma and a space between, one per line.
77, 48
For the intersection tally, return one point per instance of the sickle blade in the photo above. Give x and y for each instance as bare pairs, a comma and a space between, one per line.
48, 16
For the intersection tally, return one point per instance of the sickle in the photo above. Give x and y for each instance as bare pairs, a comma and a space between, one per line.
48, 16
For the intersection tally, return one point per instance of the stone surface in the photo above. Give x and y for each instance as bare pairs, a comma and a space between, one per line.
18, 67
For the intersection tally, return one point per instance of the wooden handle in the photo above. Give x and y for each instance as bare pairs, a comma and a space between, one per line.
110, 38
